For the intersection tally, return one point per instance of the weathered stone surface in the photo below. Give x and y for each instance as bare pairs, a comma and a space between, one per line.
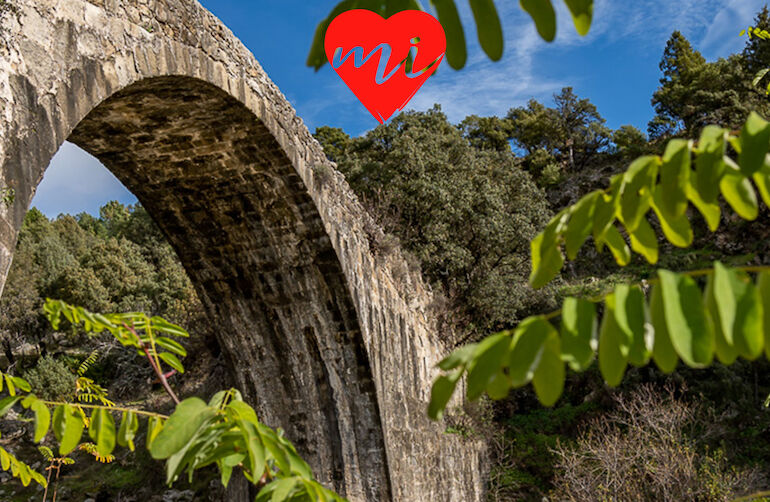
328, 340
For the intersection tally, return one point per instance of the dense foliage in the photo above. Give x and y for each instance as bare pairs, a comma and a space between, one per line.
466, 214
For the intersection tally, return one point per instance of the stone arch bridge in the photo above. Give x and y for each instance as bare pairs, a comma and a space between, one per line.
328, 340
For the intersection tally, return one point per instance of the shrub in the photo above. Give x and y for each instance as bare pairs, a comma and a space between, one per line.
51, 379
645, 450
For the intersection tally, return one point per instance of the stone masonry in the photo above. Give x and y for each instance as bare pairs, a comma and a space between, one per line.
327, 339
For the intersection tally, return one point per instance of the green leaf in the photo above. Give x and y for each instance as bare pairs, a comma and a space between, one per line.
20, 383
580, 223
663, 351
102, 431
9, 384
42, 420
612, 357
755, 142
634, 318
674, 176
491, 354
154, 427
129, 424
636, 190
71, 430
578, 332
528, 345
548, 379
254, 447
709, 163
691, 334
181, 426
162, 325
763, 285
677, 230
456, 53
282, 488
459, 357
543, 15
441, 393
488, 27
762, 180
739, 310
172, 361
171, 345
739, 193
582, 13
243, 411
724, 349
499, 386
606, 207
7, 403
645, 242
710, 210
546, 256
617, 245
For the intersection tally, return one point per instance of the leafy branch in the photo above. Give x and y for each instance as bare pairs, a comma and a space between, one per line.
224, 432
490, 32
672, 317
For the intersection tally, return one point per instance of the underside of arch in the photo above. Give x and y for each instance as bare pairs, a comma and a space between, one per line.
228, 199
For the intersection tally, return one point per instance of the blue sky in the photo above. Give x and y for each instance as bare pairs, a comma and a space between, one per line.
616, 66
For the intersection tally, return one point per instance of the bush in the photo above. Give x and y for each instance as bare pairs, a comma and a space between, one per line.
51, 379
645, 450
467, 215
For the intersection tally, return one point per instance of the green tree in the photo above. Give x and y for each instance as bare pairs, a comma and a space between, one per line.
629, 141
695, 93
572, 131
487, 133
335, 141
675, 107
466, 214
756, 54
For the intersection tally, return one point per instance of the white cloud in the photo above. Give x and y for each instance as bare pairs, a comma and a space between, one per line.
721, 38
76, 182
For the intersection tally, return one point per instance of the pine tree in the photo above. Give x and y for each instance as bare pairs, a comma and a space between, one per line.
673, 101
756, 54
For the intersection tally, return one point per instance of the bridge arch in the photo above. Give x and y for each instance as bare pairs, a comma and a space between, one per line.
327, 340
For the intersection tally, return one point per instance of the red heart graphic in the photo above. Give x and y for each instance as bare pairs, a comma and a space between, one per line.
369, 52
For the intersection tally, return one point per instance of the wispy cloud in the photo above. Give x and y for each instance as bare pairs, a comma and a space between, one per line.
484, 87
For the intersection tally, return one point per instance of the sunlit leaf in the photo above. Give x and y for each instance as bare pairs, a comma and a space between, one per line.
612, 357
645, 242
582, 13
674, 177
528, 345
755, 142
578, 332
663, 352
102, 431
739, 193
548, 379
189, 415
691, 334
491, 353
710, 164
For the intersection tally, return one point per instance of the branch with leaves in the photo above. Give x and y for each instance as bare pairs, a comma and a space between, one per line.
668, 319
224, 432
488, 27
